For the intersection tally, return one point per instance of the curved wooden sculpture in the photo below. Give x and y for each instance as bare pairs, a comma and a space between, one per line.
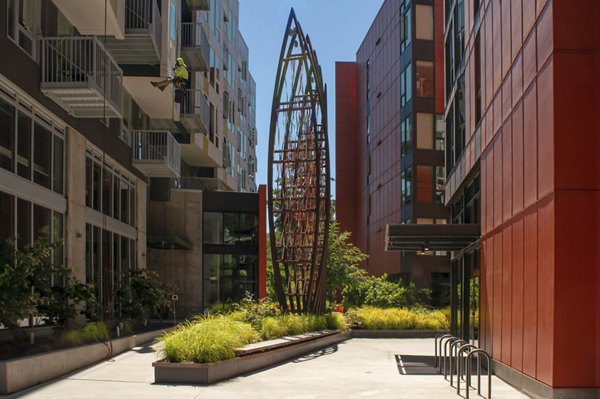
298, 173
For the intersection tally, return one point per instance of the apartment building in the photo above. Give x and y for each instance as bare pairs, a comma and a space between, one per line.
522, 123
390, 139
87, 143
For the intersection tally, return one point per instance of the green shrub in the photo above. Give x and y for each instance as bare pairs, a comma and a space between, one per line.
206, 340
382, 293
94, 332
273, 328
373, 318
336, 321
71, 338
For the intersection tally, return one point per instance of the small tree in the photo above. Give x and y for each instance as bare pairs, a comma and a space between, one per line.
143, 296
33, 285
343, 262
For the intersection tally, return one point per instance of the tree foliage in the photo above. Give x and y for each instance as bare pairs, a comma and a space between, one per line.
343, 262
33, 285
143, 296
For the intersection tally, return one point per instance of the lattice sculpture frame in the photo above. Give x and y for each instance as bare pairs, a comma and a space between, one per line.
299, 176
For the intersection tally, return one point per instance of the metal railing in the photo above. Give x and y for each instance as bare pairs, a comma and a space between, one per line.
143, 16
194, 36
157, 146
453, 359
194, 105
81, 62
201, 183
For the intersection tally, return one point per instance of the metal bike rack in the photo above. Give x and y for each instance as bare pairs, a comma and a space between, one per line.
440, 343
446, 345
460, 369
454, 346
479, 352
438, 337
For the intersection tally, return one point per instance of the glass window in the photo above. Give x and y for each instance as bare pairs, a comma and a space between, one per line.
107, 191
41, 222
24, 146
406, 135
213, 228
23, 223
7, 215
405, 25
424, 22
424, 79
116, 196
440, 132
59, 165
7, 135
42, 155
124, 196
406, 180
406, 85
229, 228
424, 131
440, 181
132, 205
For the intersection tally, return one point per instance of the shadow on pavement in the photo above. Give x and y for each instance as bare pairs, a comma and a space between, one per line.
416, 365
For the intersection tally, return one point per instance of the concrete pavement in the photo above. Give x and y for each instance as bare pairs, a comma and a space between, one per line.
357, 368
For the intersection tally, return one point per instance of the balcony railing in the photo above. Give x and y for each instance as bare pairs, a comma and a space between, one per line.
195, 112
194, 45
156, 153
77, 72
142, 41
201, 183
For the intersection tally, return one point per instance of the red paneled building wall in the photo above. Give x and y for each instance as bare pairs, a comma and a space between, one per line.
387, 154
536, 144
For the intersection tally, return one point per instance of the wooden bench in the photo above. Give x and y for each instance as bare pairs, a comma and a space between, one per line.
264, 346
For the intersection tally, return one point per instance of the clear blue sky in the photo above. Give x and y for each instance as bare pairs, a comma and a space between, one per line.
336, 29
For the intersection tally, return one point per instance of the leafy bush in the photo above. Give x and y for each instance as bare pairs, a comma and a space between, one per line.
143, 296
206, 340
291, 324
254, 312
373, 318
382, 293
92, 332
336, 321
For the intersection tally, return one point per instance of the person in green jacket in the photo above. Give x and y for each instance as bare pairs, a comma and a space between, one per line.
180, 79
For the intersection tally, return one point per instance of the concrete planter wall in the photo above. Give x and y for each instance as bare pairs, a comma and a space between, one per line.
200, 373
394, 333
20, 373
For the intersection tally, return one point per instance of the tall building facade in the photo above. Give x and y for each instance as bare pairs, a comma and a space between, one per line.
522, 95
390, 138
87, 143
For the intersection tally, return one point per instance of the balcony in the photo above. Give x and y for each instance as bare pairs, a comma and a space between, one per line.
142, 42
89, 20
76, 74
195, 49
156, 153
200, 151
201, 183
203, 5
195, 113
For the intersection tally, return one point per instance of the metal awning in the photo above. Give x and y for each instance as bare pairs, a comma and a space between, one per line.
168, 242
431, 237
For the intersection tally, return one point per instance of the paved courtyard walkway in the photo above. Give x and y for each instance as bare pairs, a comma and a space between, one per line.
357, 368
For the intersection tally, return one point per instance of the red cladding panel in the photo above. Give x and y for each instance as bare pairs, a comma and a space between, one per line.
530, 146
575, 162
517, 294
498, 296
516, 23
530, 276
529, 60
347, 159
506, 37
507, 306
544, 37
545, 142
545, 293
517, 158
517, 80
507, 171
575, 289
497, 180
